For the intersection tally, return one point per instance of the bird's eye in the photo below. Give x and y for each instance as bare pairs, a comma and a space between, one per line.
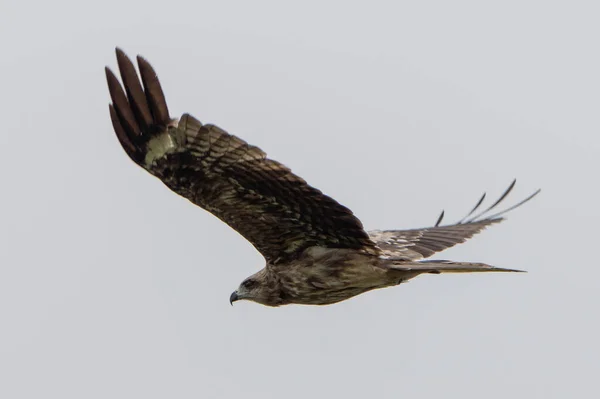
248, 284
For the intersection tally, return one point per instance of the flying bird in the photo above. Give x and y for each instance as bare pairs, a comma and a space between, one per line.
316, 251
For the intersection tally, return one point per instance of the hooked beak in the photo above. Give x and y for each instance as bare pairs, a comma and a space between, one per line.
234, 297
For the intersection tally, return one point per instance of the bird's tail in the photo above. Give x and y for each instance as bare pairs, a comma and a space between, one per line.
446, 266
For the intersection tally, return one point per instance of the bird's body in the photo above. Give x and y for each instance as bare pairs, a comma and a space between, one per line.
316, 250
322, 276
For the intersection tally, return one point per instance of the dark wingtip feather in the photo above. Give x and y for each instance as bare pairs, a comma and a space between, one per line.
129, 147
154, 92
121, 104
496, 215
133, 88
440, 218
499, 200
484, 215
495, 204
477, 205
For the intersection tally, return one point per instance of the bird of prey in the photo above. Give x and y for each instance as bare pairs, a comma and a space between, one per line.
316, 251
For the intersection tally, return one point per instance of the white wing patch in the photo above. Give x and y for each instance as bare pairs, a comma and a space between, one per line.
166, 142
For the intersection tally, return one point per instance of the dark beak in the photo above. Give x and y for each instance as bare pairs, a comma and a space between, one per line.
233, 298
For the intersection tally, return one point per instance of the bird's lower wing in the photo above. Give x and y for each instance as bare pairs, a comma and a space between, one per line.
418, 244
422, 243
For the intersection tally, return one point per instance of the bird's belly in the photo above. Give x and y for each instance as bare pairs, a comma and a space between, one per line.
331, 296
324, 283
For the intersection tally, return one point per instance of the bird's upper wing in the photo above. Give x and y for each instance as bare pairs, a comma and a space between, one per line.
418, 244
277, 211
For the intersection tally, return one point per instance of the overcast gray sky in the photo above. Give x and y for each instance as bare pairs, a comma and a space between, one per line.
111, 286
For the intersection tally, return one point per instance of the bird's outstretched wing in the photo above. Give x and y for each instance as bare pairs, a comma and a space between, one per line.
418, 244
277, 211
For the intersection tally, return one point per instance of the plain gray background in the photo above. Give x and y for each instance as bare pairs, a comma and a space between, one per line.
113, 287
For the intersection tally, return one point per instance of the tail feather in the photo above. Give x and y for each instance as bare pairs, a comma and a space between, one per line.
447, 266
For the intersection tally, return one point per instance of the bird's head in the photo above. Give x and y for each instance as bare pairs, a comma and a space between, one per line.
259, 288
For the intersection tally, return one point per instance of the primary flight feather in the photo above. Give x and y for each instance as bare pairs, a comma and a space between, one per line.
316, 250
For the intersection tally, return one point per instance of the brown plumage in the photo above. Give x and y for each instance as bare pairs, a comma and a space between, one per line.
316, 250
